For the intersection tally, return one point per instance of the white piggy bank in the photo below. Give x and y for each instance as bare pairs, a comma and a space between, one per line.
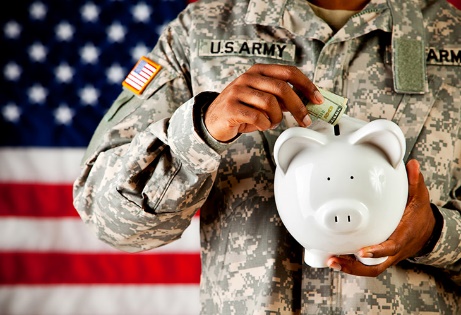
338, 189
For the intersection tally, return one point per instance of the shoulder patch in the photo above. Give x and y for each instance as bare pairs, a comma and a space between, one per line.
141, 75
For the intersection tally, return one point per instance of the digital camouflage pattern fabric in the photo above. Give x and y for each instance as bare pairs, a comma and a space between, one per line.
151, 164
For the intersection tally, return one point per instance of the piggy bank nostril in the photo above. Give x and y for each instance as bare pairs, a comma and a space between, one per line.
347, 219
345, 216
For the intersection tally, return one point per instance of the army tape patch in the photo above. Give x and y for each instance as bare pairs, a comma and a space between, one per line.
447, 56
246, 48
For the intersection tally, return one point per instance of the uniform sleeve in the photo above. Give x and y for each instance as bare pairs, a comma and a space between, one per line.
147, 170
446, 252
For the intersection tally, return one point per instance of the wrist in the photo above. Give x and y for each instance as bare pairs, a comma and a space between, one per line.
203, 101
435, 235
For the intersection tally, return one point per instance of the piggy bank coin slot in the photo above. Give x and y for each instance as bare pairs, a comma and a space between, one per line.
336, 130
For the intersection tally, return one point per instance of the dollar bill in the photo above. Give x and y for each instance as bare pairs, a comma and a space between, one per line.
331, 110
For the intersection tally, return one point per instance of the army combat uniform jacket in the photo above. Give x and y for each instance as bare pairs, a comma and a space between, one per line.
151, 163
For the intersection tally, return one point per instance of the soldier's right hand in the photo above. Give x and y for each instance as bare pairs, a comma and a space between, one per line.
256, 101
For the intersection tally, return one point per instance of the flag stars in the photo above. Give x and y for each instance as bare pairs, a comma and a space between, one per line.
12, 71
89, 53
115, 74
38, 52
37, 10
159, 29
116, 32
89, 95
64, 73
64, 114
90, 12
37, 94
64, 31
141, 12
138, 51
11, 112
12, 30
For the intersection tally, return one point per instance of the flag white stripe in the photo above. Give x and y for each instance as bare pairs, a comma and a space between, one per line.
100, 300
142, 79
147, 68
146, 75
146, 71
150, 67
58, 235
134, 77
132, 83
47, 165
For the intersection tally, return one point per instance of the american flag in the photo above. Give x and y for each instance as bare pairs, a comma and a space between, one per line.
62, 64
138, 78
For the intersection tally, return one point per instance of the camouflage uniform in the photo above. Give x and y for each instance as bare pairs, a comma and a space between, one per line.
151, 164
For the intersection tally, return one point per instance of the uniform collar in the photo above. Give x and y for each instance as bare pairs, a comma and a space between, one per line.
298, 17
402, 18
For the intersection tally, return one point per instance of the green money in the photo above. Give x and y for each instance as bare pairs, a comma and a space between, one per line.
331, 110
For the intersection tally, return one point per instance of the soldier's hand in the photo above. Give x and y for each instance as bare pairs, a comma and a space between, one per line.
256, 100
410, 236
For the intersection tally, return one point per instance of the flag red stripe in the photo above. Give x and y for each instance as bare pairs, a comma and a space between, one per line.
59, 268
37, 200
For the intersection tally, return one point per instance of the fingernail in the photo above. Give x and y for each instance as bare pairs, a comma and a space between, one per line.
366, 254
318, 97
275, 126
335, 266
307, 121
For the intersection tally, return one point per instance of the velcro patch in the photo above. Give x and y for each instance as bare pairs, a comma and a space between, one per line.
141, 75
246, 48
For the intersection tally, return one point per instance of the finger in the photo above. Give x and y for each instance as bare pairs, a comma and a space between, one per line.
249, 119
267, 103
225, 122
289, 99
350, 265
413, 173
387, 248
292, 75
284, 93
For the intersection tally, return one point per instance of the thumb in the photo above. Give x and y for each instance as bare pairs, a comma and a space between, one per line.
413, 174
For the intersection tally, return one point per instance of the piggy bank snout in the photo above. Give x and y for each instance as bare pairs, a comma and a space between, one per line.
342, 216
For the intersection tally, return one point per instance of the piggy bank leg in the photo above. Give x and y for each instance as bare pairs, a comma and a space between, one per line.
316, 258
371, 261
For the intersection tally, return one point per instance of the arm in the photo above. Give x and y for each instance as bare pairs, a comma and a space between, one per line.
147, 170
150, 166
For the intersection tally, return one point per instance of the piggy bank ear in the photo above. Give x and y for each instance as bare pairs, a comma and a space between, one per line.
292, 141
385, 135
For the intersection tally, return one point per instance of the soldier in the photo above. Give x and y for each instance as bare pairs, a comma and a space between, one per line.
195, 127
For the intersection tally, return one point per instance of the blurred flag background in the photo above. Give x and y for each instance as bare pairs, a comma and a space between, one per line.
62, 64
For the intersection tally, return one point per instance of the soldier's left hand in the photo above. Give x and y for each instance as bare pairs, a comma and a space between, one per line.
410, 236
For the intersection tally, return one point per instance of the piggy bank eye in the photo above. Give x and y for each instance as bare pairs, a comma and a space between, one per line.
328, 178
352, 177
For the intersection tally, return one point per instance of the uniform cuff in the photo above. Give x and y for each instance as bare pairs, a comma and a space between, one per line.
187, 144
446, 248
